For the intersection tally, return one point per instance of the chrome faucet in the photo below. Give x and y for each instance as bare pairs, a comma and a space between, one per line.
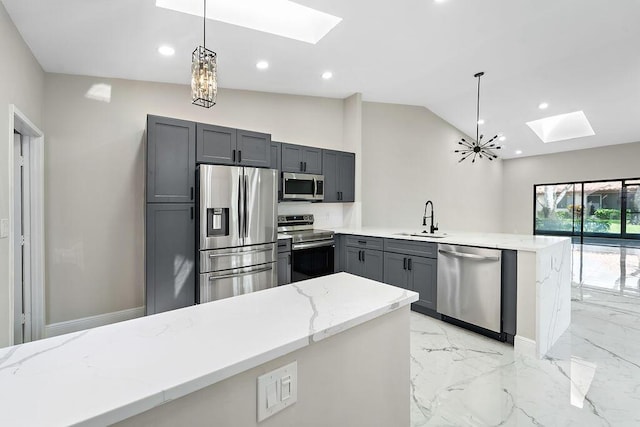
433, 228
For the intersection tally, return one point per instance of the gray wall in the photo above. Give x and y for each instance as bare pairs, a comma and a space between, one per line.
94, 178
408, 158
22, 84
358, 378
614, 161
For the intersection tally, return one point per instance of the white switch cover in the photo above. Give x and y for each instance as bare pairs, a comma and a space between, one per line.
4, 228
277, 390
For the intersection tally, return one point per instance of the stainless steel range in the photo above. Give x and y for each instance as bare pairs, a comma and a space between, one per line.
312, 250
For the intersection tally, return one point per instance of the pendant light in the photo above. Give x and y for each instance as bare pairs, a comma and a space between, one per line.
477, 148
204, 71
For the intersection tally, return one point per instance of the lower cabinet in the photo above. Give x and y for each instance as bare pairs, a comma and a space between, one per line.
284, 262
405, 269
170, 264
364, 262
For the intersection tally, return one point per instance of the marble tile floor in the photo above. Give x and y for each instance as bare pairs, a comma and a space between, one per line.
591, 377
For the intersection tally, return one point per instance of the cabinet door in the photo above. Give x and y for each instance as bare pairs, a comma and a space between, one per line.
423, 277
330, 172
373, 265
276, 163
170, 256
284, 268
216, 144
353, 262
395, 270
171, 160
254, 149
292, 158
312, 158
347, 176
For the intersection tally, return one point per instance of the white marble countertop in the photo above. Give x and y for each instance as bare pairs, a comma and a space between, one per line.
106, 374
519, 242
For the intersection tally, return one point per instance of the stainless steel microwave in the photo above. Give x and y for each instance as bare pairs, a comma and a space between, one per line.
302, 186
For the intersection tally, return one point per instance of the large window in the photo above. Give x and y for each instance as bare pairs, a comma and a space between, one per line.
591, 208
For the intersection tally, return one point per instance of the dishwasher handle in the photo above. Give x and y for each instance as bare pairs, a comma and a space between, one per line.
469, 256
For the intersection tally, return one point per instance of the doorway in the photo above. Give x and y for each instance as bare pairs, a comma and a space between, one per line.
26, 230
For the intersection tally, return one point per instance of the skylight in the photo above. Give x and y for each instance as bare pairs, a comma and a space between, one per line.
562, 127
280, 17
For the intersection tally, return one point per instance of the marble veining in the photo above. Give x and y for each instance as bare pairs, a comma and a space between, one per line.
588, 378
106, 374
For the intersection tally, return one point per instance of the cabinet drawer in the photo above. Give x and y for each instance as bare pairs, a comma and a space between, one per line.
408, 247
364, 242
284, 245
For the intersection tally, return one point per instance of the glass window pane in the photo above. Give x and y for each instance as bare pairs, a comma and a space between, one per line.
633, 209
556, 211
602, 201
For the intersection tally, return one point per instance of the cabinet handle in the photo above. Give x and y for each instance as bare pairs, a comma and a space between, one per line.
362, 242
409, 266
301, 166
239, 156
305, 166
233, 156
363, 252
192, 212
289, 259
404, 263
359, 255
191, 193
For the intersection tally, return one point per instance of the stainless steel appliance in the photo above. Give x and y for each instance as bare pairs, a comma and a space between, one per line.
236, 230
302, 186
312, 250
469, 285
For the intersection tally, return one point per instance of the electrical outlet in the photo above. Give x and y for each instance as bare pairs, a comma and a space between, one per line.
4, 228
277, 390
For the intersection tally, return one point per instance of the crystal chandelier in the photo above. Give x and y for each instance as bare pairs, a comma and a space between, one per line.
204, 72
477, 148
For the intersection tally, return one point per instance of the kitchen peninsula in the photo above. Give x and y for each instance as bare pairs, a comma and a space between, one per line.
543, 285
198, 365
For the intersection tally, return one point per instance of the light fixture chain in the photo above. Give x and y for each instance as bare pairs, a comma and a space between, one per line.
204, 25
477, 112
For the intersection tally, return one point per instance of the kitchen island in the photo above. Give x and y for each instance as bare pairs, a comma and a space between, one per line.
198, 365
543, 286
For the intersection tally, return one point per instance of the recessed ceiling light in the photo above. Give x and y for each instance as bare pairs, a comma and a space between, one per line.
166, 50
502, 138
543, 106
481, 121
518, 151
262, 65
562, 127
280, 17
327, 75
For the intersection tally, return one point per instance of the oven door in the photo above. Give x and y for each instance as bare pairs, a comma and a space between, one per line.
311, 259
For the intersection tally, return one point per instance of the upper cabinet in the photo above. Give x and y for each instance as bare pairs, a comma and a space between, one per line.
226, 146
339, 170
299, 158
171, 160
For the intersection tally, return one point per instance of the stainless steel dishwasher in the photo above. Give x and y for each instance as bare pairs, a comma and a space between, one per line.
469, 285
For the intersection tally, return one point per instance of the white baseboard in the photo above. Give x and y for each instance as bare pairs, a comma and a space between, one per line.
61, 328
525, 346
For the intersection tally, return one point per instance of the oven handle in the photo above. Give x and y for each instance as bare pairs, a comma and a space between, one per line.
310, 245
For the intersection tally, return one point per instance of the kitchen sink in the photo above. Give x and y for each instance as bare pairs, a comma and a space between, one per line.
426, 235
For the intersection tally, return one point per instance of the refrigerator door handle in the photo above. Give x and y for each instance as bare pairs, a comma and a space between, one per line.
227, 276
240, 206
246, 207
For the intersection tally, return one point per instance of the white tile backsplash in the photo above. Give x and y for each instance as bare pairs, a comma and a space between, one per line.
327, 215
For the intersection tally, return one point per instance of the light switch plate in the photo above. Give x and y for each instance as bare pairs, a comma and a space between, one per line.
4, 228
282, 379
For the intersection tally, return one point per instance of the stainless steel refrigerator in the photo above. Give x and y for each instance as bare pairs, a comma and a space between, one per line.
237, 230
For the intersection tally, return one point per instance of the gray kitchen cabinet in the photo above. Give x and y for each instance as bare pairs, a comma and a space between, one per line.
364, 262
299, 158
171, 160
339, 171
227, 146
284, 262
413, 265
170, 256
422, 279
395, 270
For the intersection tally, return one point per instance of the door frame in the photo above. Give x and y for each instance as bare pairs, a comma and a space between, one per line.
623, 211
34, 137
